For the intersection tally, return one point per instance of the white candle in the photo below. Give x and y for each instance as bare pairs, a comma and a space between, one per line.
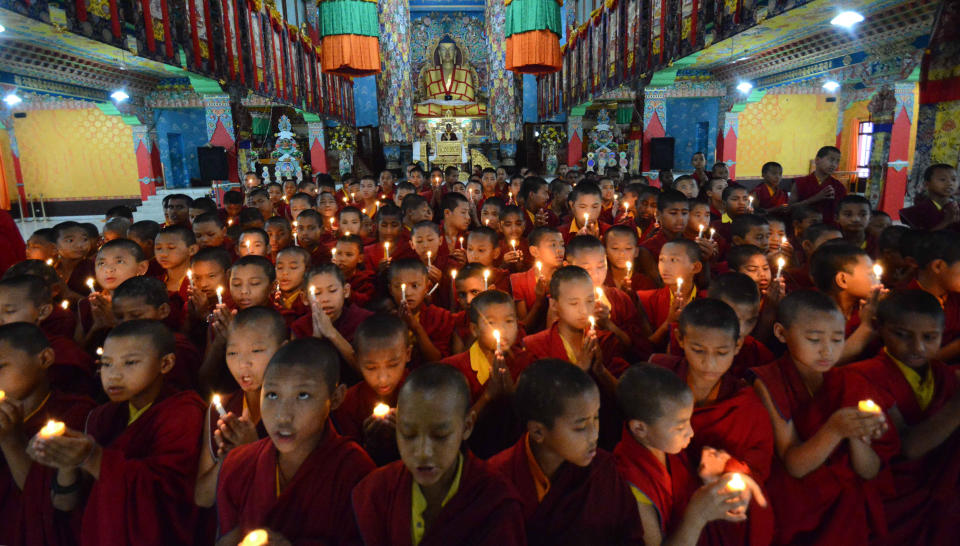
461, 242
90, 282
712, 231
750, 201
679, 286
218, 405
403, 291
878, 272
333, 252
513, 243
780, 263
429, 255
629, 267
99, 351
65, 305
381, 410
593, 322
313, 293
586, 219
219, 295
294, 233
486, 276
386, 249
496, 335
700, 233
190, 277
539, 268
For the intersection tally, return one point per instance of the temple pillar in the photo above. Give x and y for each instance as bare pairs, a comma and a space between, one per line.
220, 130
156, 161
317, 144
654, 120
395, 82
143, 145
7, 122
574, 140
502, 107
728, 152
894, 188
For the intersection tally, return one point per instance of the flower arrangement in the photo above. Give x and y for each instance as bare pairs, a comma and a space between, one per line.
341, 138
551, 137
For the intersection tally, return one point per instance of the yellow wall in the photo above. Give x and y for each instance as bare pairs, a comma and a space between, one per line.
788, 129
74, 154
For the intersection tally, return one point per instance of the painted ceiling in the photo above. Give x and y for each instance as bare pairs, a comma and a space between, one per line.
446, 5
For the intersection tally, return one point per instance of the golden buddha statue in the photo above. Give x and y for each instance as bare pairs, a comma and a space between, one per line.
449, 86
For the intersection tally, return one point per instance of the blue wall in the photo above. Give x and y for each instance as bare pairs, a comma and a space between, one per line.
693, 123
365, 101
191, 125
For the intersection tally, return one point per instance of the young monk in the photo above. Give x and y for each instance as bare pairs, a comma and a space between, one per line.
679, 259
139, 453
210, 231
331, 316
622, 247
513, 244
28, 402
26, 298
209, 268
853, 216
174, 246
812, 238
349, 258
818, 484
116, 261
61, 321
921, 506
312, 237
253, 242
383, 350
292, 265
431, 326
741, 294
253, 337
819, 190
530, 288
938, 261
585, 202
673, 209
658, 406
731, 430
252, 280
570, 491
73, 266
304, 467
436, 495
938, 210
768, 195
377, 256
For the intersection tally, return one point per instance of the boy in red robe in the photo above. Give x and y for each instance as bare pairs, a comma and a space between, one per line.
348, 256
585, 202
819, 190
853, 216
26, 298
731, 429
622, 247
483, 247
821, 482
431, 326
253, 337
938, 210
312, 238
116, 261
209, 268
534, 197
530, 288
938, 264
289, 298
570, 490
673, 209
382, 351
26, 514
812, 238
436, 495
767, 195
391, 242
491, 365
741, 294
679, 264
174, 247
61, 321
73, 266
297, 482
514, 246
139, 453
658, 406
210, 231
922, 505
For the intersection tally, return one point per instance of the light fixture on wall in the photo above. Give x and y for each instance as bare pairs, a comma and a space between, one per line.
3, 28
744, 87
119, 95
12, 99
846, 19
831, 86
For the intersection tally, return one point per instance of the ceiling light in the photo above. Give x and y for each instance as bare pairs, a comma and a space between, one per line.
2, 28
12, 99
831, 85
846, 19
744, 87
119, 95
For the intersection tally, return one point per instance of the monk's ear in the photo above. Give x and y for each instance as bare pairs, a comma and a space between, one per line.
840, 279
44, 312
697, 267
167, 362
46, 358
638, 429
164, 310
496, 252
336, 397
537, 431
193, 249
468, 422
938, 266
474, 330
780, 331
534, 251
346, 291
142, 267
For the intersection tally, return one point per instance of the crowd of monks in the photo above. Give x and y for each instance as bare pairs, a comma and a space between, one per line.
488, 358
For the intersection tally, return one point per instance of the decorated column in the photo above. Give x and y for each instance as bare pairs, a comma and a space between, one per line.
654, 120
728, 152
575, 140
882, 109
220, 129
318, 151
395, 83
143, 146
504, 121
895, 173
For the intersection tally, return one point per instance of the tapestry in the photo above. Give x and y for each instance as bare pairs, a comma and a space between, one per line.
395, 81
614, 54
233, 43
502, 108
257, 42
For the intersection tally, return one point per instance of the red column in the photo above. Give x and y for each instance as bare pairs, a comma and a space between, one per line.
895, 183
145, 173
728, 152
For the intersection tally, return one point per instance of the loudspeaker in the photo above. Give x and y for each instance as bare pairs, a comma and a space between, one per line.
213, 163
661, 153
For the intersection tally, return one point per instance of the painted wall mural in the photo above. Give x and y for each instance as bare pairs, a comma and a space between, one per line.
179, 133
693, 123
788, 129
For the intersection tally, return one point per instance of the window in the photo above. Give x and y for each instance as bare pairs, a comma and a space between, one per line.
864, 145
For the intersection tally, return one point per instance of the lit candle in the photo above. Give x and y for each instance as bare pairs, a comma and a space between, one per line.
593, 322
626, 207
700, 233
220, 295
345, 200
403, 291
453, 274
780, 263
49, 261
486, 277
331, 223
486, 222
353, 197
461, 242
868, 406
750, 201
190, 277
509, 197
52, 429
712, 231
679, 286
257, 537
429, 255
513, 243
586, 219
65, 305
736, 483
381, 410
247, 244
496, 335
386, 249
2, 395
363, 210
629, 267
229, 222
90, 282
218, 405
313, 292
539, 268
333, 252
294, 233
878, 272
99, 351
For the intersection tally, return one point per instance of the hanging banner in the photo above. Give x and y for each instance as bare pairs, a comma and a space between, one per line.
308, 65
199, 46
597, 54
154, 31
633, 32
584, 62
565, 75
259, 57
293, 64
276, 53
533, 29
613, 37
233, 46
350, 31
96, 19
322, 97
657, 21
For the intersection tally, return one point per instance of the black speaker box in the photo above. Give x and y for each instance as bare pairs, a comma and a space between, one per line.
213, 163
661, 153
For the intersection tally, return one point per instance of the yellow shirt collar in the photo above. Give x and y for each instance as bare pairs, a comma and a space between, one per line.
571, 354
725, 219
573, 226
936, 204
136, 413
419, 503
540, 480
479, 363
291, 299
923, 387
693, 294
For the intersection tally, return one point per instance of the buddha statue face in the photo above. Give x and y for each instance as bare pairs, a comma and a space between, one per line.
447, 52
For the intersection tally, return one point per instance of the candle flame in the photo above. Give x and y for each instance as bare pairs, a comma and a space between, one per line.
736, 483
781, 262
868, 406
878, 271
453, 274
99, 351
257, 537
220, 290
49, 261
313, 290
65, 304
90, 282
52, 429
2, 395
381, 410
593, 322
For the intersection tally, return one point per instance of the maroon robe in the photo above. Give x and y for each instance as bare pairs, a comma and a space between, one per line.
584, 505
668, 487
638, 281
485, 511
925, 215
12, 247
373, 253
951, 312
313, 507
27, 517
357, 407
769, 199
831, 504
517, 360
623, 313
61, 322
564, 230
347, 324
78, 278
155, 270
654, 244
363, 285
73, 369
923, 506
524, 286
232, 403
145, 491
736, 422
438, 322
806, 187
549, 344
